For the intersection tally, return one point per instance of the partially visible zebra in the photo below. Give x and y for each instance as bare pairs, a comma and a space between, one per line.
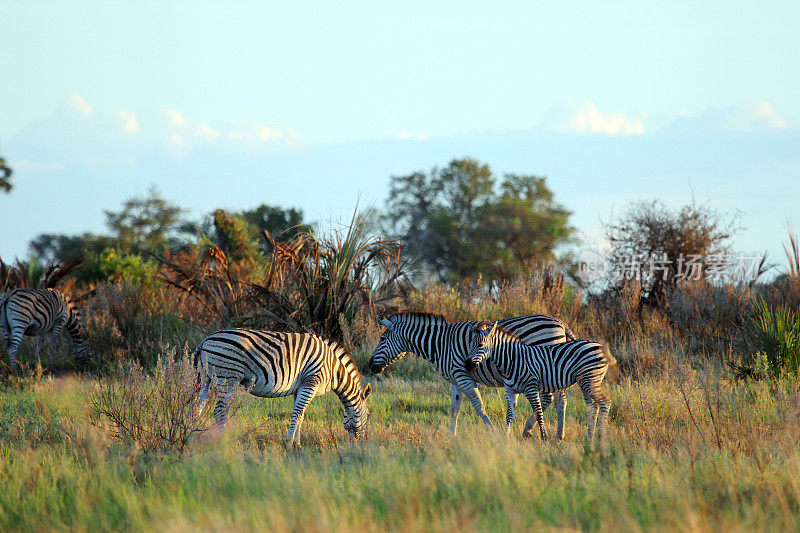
446, 346
273, 364
531, 370
36, 312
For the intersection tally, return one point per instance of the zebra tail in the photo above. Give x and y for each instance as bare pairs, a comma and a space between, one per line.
3, 316
613, 367
568, 332
199, 363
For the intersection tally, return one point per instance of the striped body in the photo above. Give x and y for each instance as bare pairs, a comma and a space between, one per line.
531, 370
274, 364
37, 312
447, 346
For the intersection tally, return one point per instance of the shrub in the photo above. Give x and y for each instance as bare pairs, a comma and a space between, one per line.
157, 411
775, 334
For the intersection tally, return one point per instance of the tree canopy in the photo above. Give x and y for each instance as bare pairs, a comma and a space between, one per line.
5, 176
462, 220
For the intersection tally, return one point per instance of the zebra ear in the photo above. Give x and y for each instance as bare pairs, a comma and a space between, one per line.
367, 390
386, 323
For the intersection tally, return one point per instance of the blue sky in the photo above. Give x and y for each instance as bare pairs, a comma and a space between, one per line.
313, 104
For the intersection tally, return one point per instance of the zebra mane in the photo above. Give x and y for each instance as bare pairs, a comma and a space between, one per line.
341, 352
500, 329
433, 317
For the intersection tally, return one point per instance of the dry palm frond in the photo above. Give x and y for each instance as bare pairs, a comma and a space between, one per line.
312, 282
792, 252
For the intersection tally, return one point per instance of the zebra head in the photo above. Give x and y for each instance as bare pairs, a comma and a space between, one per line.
391, 347
483, 339
355, 417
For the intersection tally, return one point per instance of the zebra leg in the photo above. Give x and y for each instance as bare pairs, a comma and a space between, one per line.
456, 397
16, 339
302, 398
561, 406
511, 409
545, 398
604, 402
40, 342
533, 398
470, 389
225, 389
57, 327
591, 407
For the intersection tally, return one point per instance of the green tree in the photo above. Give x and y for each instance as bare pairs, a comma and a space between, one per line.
5, 176
282, 223
149, 224
458, 223
59, 248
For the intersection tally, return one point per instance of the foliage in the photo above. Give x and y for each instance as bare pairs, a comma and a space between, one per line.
149, 224
35, 274
219, 286
458, 226
283, 223
649, 234
234, 236
792, 253
112, 265
314, 283
5, 176
155, 411
60, 247
775, 335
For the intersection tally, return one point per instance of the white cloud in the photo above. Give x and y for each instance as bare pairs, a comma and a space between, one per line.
760, 116
206, 132
587, 119
175, 118
130, 124
176, 140
412, 137
76, 102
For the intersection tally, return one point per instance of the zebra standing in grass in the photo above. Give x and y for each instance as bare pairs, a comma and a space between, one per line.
272, 364
531, 370
36, 312
446, 346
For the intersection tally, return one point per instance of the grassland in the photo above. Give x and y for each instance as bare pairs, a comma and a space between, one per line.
687, 450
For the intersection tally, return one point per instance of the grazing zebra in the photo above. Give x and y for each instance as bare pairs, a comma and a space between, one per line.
36, 312
272, 364
531, 370
446, 346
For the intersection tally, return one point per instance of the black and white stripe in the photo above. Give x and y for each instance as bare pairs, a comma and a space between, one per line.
532, 370
36, 312
447, 345
274, 364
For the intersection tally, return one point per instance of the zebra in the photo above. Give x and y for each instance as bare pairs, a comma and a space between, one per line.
531, 370
446, 346
36, 312
275, 364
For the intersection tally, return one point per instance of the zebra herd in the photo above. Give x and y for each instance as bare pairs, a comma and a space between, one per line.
534, 355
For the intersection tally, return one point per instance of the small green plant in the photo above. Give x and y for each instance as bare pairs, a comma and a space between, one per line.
775, 333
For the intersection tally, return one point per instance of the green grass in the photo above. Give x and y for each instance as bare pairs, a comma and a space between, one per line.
724, 457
